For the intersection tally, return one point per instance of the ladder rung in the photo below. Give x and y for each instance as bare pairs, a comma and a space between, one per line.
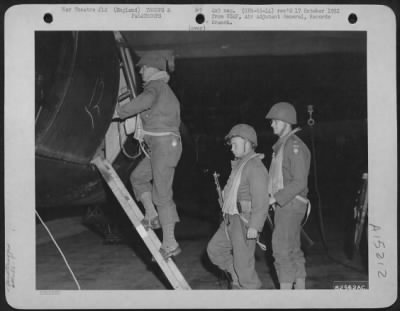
135, 215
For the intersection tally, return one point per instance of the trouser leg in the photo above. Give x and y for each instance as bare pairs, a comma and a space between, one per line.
300, 283
243, 254
289, 258
165, 155
141, 178
147, 201
219, 250
286, 286
281, 239
298, 255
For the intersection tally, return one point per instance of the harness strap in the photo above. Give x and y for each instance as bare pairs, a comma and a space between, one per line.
305, 201
160, 133
140, 132
157, 134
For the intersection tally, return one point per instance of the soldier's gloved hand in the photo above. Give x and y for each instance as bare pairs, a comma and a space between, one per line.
252, 233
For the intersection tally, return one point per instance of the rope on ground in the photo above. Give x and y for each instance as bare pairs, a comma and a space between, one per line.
55, 243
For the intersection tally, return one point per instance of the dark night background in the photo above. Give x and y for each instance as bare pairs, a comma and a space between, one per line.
217, 93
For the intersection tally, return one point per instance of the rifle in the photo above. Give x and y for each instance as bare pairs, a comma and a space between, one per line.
221, 203
305, 239
219, 191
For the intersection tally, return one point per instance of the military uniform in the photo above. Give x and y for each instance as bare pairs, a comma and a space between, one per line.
291, 209
160, 114
229, 248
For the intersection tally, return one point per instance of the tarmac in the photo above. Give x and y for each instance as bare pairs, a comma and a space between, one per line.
128, 265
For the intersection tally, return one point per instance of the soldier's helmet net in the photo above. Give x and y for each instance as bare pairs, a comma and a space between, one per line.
153, 59
283, 111
245, 131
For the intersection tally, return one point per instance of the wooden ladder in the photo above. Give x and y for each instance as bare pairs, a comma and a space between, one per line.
130, 207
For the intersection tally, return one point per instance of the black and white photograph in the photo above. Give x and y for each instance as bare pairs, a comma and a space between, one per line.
217, 156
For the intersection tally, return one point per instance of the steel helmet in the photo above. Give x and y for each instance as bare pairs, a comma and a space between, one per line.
283, 111
245, 131
153, 59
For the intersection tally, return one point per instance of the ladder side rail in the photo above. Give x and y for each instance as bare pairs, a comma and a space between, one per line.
135, 215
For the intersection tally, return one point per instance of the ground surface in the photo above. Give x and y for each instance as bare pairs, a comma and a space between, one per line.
128, 265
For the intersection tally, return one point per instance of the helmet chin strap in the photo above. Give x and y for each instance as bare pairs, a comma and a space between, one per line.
286, 129
246, 150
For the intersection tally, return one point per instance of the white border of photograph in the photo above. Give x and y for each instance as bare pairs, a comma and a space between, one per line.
22, 21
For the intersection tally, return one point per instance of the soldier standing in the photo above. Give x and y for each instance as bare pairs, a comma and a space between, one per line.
244, 209
288, 195
152, 179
